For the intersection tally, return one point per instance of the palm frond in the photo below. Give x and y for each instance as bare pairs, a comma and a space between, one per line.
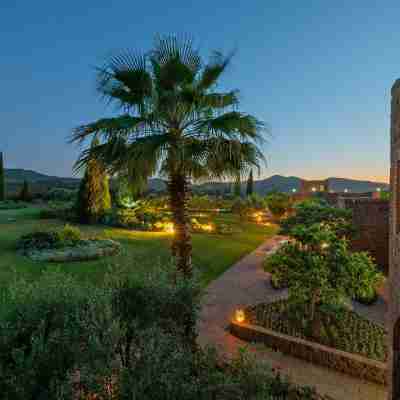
213, 70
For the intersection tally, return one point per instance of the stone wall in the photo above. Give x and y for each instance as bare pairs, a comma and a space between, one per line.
371, 219
351, 364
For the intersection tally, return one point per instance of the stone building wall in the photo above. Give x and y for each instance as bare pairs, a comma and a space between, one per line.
313, 186
371, 219
393, 324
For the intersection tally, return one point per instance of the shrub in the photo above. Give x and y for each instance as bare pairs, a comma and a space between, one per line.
278, 204
69, 234
316, 211
64, 340
38, 241
11, 205
25, 194
61, 195
56, 210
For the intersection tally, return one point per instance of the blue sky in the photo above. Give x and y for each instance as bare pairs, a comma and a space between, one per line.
319, 72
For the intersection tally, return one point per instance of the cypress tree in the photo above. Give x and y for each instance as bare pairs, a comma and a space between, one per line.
237, 191
2, 179
25, 194
94, 197
250, 184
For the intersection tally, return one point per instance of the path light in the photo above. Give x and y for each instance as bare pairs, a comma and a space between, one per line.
169, 227
239, 315
324, 245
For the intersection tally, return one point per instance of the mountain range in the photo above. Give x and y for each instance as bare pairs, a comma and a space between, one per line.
41, 182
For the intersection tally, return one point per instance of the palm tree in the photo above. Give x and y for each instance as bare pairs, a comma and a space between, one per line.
174, 123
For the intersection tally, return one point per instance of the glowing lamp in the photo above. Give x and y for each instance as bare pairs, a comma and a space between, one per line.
169, 227
294, 190
324, 245
239, 316
378, 189
314, 189
346, 190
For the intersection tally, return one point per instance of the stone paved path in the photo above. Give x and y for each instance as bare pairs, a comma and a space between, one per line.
247, 283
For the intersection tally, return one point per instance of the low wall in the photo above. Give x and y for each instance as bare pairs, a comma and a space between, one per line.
351, 364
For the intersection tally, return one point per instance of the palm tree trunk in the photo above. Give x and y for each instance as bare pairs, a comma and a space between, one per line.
182, 241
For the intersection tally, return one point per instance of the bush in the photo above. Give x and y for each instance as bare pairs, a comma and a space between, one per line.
61, 195
56, 210
39, 241
278, 204
69, 234
11, 205
46, 240
317, 211
127, 340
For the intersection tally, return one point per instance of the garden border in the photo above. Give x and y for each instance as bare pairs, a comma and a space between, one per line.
351, 364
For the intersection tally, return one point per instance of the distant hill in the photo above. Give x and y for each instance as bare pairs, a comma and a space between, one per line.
41, 182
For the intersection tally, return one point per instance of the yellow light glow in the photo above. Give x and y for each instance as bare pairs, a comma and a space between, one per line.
207, 227
314, 189
324, 245
169, 227
239, 316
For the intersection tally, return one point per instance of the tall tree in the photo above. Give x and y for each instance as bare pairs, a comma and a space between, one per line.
25, 194
173, 122
2, 179
94, 193
237, 187
250, 184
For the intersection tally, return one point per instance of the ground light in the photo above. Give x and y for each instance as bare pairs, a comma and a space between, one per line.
239, 315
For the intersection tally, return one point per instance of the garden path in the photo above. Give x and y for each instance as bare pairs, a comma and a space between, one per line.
246, 283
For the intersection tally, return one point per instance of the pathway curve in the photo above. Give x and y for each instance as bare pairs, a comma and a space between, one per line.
247, 283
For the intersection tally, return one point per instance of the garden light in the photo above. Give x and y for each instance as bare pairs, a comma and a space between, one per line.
169, 227
314, 189
239, 316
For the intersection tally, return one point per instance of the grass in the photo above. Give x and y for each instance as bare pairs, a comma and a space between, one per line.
141, 251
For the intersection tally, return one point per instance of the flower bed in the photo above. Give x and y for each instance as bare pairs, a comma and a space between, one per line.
348, 331
64, 245
84, 250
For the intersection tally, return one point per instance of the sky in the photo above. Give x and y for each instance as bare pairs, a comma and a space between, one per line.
318, 72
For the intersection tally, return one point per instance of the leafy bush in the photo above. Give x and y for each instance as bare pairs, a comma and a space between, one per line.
316, 211
11, 205
45, 240
38, 241
69, 234
57, 210
278, 204
61, 195
64, 340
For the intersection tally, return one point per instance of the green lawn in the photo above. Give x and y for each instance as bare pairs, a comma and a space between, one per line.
142, 251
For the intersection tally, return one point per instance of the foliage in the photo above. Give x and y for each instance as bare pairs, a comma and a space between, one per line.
278, 204
94, 198
256, 202
315, 211
237, 187
53, 239
38, 240
11, 205
321, 271
175, 123
125, 339
250, 184
348, 332
365, 276
126, 192
61, 195
59, 210
2, 179
240, 207
385, 195
25, 194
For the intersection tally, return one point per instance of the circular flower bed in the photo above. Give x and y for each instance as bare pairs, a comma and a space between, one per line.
65, 245
344, 330
85, 250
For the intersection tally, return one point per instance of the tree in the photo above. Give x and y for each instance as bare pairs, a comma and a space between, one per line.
237, 190
175, 123
278, 203
94, 197
2, 179
250, 184
25, 193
